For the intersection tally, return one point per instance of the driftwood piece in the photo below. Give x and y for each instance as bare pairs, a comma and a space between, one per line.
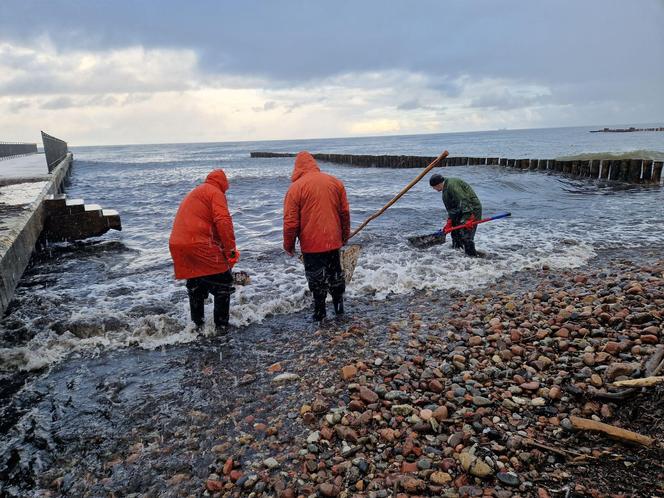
645, 382
654, 363
610, 430
654, 366
563, 452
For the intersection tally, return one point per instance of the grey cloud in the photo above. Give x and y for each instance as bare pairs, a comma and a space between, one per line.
66, 102
50, 83
567, 46
447, 87
59, 103
267, 106
15, 106
506, 100
295, 40
288, 106
413, 104
34, 74
136, 98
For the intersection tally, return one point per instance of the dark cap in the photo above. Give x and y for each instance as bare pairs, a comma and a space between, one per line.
436, 180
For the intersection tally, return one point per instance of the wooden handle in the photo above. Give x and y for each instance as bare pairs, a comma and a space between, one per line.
398, 196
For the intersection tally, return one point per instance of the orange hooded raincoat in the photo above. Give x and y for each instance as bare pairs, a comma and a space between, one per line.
315, 209
202, 237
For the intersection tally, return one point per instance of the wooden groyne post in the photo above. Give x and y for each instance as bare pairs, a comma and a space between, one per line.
635, 171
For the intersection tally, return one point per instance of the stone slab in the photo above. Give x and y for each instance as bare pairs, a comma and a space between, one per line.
23, 169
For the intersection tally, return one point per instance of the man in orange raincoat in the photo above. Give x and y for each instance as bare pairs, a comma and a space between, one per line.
316, 212
202, 246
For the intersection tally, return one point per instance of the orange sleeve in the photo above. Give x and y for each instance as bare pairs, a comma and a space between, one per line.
344, 214
223, 223
291, 220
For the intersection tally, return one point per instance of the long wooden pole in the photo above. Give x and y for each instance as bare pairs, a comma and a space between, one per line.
398, 196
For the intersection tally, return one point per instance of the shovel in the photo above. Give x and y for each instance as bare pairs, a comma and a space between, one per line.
351, 253
438, 237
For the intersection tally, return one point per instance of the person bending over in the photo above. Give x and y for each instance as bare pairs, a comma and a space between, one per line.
202, 246
462, 205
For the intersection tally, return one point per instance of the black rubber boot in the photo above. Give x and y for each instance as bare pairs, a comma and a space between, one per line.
319, 307
197, 307
338, 302
469, 247
222, 305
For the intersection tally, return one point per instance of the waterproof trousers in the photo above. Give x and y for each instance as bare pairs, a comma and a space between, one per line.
324, 274
221, 287
465, 238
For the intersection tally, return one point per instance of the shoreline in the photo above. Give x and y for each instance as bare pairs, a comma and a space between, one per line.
172, 420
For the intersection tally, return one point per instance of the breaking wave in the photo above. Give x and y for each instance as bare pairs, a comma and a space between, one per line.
630, 154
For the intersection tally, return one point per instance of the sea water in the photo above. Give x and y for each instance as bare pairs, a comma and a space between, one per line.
118, 291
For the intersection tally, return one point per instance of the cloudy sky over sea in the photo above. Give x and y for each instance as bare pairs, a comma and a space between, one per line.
102, 72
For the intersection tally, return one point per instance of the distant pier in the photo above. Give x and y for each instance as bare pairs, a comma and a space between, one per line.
32, 206
637, 171
626, 130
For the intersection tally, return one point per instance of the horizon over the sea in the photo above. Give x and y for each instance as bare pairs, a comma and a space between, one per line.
386, 135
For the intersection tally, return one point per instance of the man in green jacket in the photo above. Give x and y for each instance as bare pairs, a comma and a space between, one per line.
462, 205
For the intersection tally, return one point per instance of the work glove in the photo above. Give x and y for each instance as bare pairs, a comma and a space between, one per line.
448, 226
470, 221
234, 256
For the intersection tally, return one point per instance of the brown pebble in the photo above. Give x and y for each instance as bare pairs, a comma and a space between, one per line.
348, 372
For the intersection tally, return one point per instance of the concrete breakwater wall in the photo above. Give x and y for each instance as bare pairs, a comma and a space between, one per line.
623, 170
18, 240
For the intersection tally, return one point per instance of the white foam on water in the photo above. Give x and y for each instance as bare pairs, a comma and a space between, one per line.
48, 348
384, 269
399, 271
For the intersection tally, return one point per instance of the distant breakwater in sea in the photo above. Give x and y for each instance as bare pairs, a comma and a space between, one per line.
636, 171
626, 130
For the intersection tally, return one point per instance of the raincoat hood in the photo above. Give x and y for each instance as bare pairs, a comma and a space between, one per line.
304, 163
218, 179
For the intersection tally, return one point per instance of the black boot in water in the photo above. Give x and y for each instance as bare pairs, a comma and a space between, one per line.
197, 295
222, 303
319, 307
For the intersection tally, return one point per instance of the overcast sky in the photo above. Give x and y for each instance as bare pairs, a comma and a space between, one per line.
130, 71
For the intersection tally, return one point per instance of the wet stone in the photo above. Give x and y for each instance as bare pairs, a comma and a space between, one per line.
327, 489
508, 478
481, 401
285, 377
402, 410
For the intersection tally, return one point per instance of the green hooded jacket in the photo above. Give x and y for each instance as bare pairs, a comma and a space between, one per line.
460, 201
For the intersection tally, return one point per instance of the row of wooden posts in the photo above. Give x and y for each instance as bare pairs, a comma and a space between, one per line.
623, 170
